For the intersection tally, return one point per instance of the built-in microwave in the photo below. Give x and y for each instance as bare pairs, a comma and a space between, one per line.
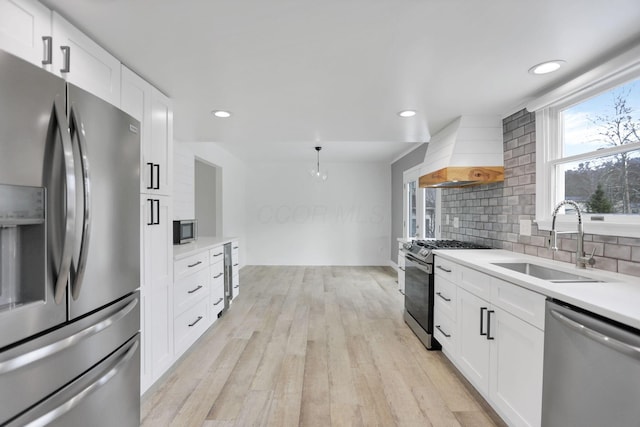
185, 231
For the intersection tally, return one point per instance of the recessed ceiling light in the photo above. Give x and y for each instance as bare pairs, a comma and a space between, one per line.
546, 67
407, 113
221, 113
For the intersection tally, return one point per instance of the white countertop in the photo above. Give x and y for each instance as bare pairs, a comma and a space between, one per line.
617, 298
201, 244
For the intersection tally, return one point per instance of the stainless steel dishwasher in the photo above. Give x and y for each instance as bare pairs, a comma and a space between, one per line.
591, 370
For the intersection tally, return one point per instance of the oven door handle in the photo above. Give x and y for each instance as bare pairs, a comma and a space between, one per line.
418, 263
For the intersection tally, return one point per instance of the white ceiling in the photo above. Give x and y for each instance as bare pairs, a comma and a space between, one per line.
300, 73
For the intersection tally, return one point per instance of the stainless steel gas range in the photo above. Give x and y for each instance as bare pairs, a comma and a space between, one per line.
419, 285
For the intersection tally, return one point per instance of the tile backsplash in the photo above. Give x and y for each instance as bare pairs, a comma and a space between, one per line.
490, 214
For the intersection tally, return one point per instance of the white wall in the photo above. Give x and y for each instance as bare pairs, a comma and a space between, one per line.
292, 220
233, 187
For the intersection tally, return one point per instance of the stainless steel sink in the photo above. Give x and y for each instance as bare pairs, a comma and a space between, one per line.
545, 273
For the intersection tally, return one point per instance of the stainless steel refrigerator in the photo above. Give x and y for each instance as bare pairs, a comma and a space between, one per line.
69, 254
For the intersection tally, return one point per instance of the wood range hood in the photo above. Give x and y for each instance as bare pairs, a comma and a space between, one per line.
468, 151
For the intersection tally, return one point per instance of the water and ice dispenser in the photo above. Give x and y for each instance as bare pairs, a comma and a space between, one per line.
22, 245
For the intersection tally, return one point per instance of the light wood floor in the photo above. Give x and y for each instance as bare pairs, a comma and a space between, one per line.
314, 346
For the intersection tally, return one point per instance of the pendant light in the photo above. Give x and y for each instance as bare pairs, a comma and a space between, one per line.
316, 173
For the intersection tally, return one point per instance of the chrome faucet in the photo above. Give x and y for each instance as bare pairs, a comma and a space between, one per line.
581, 259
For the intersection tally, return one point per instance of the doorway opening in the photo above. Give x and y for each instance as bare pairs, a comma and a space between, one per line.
208, 198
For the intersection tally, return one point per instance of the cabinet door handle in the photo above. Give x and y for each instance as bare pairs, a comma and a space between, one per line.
401, 268
157, 202
194, 264
446, 270
195, 321
236, 286
151, 222
218, 275
66, 55
217, 254
218, 302
47, 42
157, 186
150, 186
489, 337
443, 332
482, 309
443, 297
401, 291
196, 289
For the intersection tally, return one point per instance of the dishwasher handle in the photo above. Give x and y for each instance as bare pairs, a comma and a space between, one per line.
617, 345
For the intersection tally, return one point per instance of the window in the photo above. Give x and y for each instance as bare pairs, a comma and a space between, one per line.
421, 208
588, 151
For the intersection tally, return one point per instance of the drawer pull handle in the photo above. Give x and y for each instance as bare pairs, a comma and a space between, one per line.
235, 247
489, 337
401, 291
446, 270
218, 275
235, 265
195, 321
443, 297
195, 290
193, 265
236, 286
482, 309
443, 332
217, 254
218, 302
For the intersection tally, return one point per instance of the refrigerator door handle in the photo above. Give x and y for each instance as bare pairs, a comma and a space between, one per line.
64, 403
70, 177
66, 54
78, 274
58, 346
47, 41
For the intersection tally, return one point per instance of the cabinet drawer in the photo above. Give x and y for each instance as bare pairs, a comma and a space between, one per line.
235, 282
444, 331
522, 303
475, 282
189, 290
217, 300
216, 254
217, 273
189, 326
445, 297
191, 264
447, 269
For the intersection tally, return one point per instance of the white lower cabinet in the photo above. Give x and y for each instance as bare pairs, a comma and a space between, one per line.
496, 339
235, 269
156, 290
191, 297
401, 265
189, 325
216, 275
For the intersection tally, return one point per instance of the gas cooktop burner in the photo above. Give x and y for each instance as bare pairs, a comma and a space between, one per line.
448, 244
421, 249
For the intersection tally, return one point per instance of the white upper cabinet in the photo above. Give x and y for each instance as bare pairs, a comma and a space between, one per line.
25, 31
81, 61
158, 151
135, 100
155, 112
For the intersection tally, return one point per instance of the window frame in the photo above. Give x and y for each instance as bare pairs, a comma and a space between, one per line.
413, 175
620, 70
